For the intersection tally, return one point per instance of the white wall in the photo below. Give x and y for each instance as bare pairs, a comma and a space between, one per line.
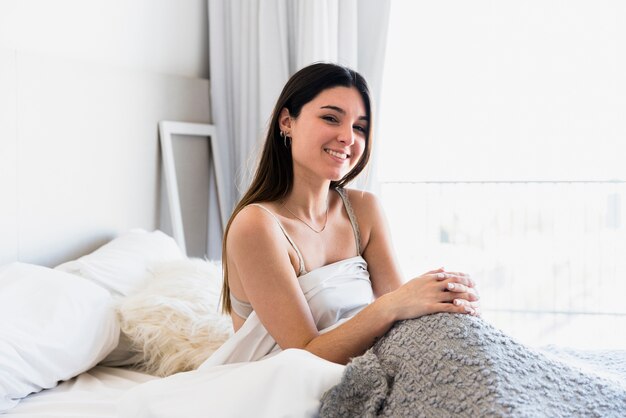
8, 156
160, 36
82, 87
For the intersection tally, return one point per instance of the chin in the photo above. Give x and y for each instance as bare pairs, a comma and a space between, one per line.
337, 173
338, 176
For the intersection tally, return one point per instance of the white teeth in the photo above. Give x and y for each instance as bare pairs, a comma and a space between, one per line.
336, 154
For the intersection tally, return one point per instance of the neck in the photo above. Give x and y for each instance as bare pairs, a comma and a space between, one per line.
308, 200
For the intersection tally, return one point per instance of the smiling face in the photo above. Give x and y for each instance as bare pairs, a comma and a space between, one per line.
329, 135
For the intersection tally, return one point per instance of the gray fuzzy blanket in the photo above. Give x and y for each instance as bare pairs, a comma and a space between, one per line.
446, 365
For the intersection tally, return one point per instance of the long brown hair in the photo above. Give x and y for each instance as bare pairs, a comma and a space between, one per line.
273, 179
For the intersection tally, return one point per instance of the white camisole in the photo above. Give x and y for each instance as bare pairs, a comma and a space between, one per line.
335, 293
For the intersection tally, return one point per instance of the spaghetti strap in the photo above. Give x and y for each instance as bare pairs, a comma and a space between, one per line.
355, 226
293, 244
241, 308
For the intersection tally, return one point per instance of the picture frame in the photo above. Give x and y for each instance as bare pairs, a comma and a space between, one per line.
167, 131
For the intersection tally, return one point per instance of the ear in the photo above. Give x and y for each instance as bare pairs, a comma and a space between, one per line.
284, 120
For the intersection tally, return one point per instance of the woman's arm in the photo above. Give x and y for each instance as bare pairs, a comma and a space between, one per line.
377, 247
270, 284
382, 264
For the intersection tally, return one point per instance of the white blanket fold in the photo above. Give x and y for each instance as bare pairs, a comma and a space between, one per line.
289, 384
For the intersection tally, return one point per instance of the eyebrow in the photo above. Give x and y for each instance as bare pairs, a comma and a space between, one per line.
343, 112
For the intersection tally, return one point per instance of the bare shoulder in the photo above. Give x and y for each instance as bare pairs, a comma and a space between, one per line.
257, 251
361, 199
252, 226
366, 205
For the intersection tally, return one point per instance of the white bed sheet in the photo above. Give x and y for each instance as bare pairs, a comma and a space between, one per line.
92, 394
289, 384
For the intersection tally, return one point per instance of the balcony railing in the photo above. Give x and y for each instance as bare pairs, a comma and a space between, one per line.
549, 257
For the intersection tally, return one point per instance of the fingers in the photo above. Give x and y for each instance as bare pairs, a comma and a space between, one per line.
450, 297
464, 278
468, 296
458, 273
461, 290
467, 306
443, 276
473, 308
456, 277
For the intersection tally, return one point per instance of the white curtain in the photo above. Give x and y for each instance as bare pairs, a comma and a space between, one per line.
256, 45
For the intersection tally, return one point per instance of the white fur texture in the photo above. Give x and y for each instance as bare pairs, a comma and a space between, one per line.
174, 319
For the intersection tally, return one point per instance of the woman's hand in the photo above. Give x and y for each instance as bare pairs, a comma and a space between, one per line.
432, 292
462, 284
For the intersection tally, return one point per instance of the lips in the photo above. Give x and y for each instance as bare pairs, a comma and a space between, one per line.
337, 154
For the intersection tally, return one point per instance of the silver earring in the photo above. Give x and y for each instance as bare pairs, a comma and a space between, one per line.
285, 136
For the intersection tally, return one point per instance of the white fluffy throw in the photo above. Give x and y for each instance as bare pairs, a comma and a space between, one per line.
173, 320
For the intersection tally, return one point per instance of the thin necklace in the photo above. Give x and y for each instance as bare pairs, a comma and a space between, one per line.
310, 227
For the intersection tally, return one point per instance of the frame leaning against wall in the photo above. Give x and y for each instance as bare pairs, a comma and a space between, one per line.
167, 129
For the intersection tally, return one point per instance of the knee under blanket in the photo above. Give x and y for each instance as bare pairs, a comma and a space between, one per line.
456, 365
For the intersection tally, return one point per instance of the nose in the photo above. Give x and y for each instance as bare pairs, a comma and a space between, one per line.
346, 136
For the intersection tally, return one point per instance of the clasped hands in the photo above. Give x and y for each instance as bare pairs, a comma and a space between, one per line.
436, 291
462, 290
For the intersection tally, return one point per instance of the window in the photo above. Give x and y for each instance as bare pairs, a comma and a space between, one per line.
503, 135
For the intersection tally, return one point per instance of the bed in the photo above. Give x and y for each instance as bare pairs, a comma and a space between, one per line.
85, 334
125, 331
93, 393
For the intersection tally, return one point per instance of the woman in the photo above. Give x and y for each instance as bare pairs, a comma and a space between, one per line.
307, 263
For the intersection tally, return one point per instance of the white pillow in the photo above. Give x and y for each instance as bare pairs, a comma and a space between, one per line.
174, 319
120, 265
54, 326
